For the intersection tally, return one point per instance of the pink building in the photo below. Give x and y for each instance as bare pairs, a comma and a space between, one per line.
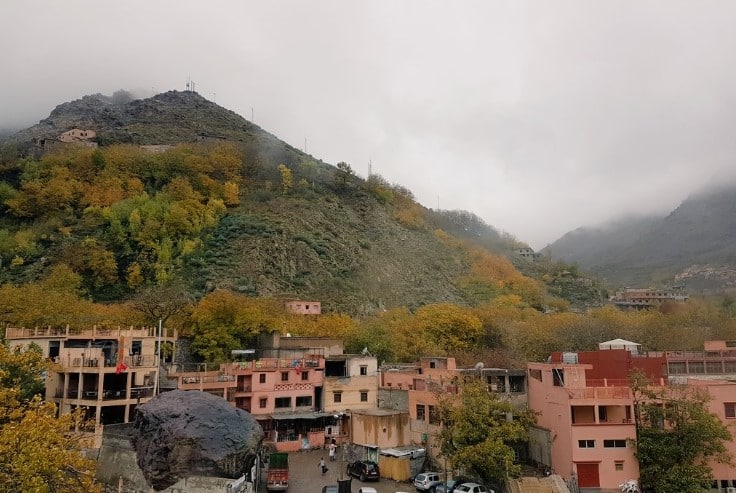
583, 431
304, 307
433, 376
585, 407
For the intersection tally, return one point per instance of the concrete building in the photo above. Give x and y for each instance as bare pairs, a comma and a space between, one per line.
302, 390
641, 298
77, 135
304, 307
594, 440
584, 431
108, 372
351, 383
431, 377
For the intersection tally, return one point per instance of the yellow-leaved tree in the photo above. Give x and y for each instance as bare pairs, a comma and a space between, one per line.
39, 453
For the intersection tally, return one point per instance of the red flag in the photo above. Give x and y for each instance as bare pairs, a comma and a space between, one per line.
120, 368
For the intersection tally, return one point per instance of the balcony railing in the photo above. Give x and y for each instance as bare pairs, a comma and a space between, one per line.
107, 394
93, 333
600, 393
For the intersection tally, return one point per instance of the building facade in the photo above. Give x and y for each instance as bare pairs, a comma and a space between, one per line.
107, 372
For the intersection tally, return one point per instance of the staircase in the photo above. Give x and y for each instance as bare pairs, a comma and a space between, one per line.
549, 484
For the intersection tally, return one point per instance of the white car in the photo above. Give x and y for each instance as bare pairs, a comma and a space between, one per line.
472, 488
367, 489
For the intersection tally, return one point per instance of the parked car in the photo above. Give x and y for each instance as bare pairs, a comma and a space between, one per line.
364, 470
427, 481
450, 485
330, 489
472, 488
366, 489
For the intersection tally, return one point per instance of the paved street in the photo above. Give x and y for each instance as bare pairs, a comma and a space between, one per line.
305, 476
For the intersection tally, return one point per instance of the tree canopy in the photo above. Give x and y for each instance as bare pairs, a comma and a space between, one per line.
479, 430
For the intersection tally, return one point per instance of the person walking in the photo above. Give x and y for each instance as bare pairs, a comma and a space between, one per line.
333, 452
322, 465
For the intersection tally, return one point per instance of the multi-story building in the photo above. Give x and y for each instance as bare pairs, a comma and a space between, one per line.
108, 372
582, 430
301, 389
432, 377
585, 406
639, 298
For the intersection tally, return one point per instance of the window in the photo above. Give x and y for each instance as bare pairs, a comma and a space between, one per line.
730, 408
619, 465
586, 443
420, 412
363, 370
558, 377
305, 375
304, 401
364, 396
262, 378
433, 364
602, 414
614, 443
283, 402
262, 402
433, 419
337, 397
284, 376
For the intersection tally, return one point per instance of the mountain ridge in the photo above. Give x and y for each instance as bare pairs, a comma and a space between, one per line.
298, 227
656, 250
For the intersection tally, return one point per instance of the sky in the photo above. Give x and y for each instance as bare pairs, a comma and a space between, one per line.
538, 116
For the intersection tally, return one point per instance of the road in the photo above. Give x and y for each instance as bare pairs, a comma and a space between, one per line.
305, 475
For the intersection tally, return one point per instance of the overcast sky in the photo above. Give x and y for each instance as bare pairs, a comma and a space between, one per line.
539, 117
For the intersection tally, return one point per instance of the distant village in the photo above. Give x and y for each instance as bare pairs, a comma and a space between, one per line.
306, 392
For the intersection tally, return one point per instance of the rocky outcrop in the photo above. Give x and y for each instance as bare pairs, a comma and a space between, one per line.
186, 433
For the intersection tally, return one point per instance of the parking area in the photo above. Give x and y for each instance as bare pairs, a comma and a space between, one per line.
305, 475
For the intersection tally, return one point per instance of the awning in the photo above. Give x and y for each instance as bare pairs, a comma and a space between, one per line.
302, 415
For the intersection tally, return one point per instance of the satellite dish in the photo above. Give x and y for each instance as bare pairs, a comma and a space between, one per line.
365, 351
479, 365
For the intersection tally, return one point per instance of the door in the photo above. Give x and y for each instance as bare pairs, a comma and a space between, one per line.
588, 475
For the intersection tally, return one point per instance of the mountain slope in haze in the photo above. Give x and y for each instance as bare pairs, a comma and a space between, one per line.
699, 237
298, 227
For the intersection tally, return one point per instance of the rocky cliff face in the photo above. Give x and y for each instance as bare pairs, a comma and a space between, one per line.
187, 433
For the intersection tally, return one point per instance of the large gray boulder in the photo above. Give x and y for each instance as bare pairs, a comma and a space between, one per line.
191, 433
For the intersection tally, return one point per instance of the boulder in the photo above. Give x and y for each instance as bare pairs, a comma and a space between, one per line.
191, 433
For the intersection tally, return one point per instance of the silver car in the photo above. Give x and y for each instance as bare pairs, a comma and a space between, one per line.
427, 481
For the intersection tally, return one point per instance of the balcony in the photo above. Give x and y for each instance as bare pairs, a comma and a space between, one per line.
107, 394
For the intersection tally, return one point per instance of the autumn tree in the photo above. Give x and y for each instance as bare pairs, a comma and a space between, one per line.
677, 437
223, 321
287, 179
479, 431
38, 451
162, 302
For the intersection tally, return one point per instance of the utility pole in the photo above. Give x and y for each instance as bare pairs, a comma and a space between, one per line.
157, 384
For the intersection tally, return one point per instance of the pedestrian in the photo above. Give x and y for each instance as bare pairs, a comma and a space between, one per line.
333, 452
322, 465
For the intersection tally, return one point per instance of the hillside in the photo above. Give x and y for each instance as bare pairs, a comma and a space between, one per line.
694, 244
230, 206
